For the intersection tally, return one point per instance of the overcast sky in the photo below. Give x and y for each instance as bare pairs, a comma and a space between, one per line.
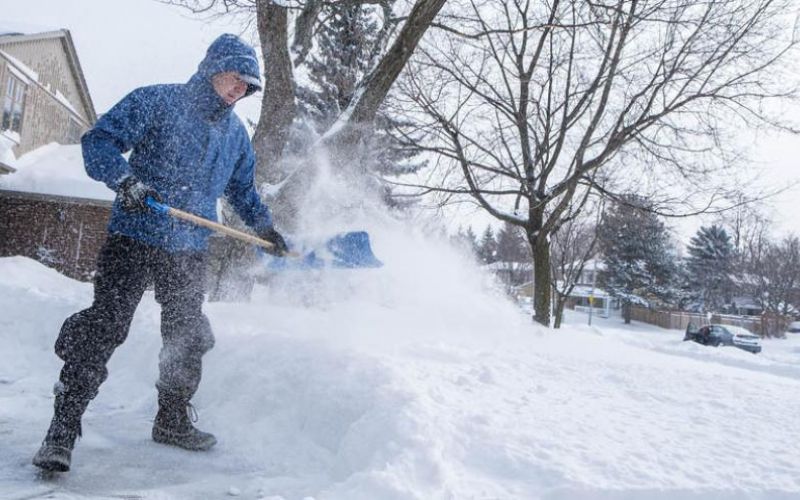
123, 44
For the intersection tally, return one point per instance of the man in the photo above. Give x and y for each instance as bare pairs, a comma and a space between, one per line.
187, 149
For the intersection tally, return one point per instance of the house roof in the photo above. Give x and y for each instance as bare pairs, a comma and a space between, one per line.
508, 266
10, 35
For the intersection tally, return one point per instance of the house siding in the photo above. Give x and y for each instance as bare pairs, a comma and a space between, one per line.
45, 119
61, 232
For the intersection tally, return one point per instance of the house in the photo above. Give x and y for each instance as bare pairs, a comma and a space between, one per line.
586, 295
49, 208
745, 306
43, 93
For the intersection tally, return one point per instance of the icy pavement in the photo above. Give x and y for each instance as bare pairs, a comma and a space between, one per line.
390, 395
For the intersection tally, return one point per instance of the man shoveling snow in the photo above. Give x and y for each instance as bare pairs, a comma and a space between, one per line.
187, 149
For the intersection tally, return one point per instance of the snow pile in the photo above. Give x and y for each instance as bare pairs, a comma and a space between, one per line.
375, 389
6, 153
57, 170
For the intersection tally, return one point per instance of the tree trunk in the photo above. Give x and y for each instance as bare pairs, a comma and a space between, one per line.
626, 312
230, 262
559, 310
542, 282
277, 105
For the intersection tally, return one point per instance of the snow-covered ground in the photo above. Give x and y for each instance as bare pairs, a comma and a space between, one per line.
393, 384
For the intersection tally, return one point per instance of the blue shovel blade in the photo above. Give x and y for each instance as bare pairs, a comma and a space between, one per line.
347, 250
352, 250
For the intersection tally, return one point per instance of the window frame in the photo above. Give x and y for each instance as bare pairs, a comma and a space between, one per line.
16, 92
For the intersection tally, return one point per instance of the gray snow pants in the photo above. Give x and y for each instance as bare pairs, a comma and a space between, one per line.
125, 267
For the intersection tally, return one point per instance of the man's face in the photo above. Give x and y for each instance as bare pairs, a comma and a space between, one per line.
229, 86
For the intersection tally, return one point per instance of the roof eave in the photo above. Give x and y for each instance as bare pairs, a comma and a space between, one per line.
84, 88
6, 169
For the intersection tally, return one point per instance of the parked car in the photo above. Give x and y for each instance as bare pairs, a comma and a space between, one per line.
794, 327
717, 335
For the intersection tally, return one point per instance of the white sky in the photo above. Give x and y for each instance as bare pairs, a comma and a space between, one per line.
123, 44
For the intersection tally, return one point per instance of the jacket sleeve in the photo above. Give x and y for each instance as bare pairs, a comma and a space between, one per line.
115, 133
242, 194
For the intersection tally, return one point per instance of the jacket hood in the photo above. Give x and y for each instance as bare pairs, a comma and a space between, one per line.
230, 53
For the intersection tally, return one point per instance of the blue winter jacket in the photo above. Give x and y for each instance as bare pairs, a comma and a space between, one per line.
188, 145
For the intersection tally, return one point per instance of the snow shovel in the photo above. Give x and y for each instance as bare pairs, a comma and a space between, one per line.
346, 250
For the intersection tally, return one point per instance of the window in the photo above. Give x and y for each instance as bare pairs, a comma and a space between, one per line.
13, 105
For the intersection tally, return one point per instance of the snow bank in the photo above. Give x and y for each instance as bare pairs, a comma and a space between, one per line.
55, 169
6, 154
392, 398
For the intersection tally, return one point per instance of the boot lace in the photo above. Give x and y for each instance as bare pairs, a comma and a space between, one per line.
192, 413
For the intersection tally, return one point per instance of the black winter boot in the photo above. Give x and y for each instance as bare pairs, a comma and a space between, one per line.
55, 453
173, 425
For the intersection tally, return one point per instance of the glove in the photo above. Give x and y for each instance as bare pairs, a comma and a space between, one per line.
279, 248
133, 195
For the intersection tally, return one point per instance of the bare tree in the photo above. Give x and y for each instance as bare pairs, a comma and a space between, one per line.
572, 246
527, 105
773, 278
749, 229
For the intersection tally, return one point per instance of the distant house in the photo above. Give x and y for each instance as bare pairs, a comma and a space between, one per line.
49, 208
586, 295
745, 306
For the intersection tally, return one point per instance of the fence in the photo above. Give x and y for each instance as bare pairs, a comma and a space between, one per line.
766, 325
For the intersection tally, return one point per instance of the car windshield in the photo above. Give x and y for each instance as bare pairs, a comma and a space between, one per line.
737, 330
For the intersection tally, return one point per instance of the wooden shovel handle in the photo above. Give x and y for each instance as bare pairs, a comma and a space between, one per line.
214, 226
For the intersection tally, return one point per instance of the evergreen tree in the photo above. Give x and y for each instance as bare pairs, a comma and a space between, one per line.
487, 248
637, 253
347, 43
511, 244
710, 265
467, 240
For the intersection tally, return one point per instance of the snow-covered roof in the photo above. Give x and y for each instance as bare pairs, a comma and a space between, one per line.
508, 266
746, 302
593, 264
54, 169
16, 28
587, 291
